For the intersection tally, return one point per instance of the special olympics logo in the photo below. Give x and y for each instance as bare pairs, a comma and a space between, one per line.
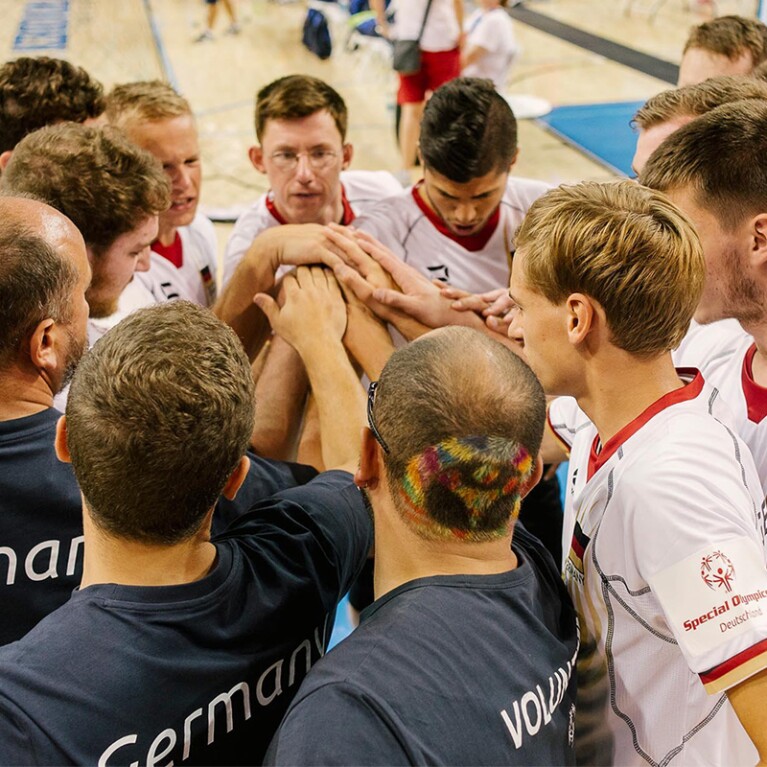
717, 571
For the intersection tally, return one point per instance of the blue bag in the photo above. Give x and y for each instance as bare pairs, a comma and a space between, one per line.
316, 36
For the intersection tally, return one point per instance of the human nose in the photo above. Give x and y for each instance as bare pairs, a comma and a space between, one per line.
304, 170
465, 213
143, 260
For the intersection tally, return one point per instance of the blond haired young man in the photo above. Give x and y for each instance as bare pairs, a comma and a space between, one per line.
665, 560
183, 263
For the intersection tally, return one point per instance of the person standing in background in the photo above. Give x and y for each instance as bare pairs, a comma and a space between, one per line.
490, 43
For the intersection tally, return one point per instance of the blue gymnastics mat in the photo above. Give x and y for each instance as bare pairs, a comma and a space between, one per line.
601, 131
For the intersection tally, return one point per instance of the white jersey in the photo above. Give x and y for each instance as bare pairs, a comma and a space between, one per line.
361, 190
665, 562
493, 31
476, 263
703, 343
441, 32
195, 279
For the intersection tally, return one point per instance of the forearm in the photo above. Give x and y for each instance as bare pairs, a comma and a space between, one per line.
340, 402
254, 274
280, 394
748, 699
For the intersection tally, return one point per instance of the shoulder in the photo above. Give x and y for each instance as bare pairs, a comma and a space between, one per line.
521, 193
366, 186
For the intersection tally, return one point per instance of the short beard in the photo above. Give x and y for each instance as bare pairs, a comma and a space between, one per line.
100, 308
75, 352
745, 299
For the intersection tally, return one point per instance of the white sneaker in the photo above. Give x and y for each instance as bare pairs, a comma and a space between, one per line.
203, 36
233, 29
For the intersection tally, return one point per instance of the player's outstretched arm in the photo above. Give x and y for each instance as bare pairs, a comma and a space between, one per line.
313, 321
749, 699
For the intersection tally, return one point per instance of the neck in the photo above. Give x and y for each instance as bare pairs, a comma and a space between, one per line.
401, 556
612, 400
109, 559
166, 233
23, 394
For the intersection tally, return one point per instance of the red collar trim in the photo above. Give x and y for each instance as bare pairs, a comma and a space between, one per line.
173, 252
472, 242
598, 458
756, 395
346, 217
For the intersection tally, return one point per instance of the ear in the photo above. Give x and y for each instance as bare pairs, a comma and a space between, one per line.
368, 472
534, 478
236, 478
759, 242
5, 158
43, 347
581, 315
514, 159
256, 155
60, 443
348, 153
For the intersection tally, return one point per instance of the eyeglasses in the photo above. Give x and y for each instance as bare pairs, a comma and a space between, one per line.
318, 159
371, 420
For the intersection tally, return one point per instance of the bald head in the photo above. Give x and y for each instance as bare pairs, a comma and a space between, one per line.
43, 275
457, 395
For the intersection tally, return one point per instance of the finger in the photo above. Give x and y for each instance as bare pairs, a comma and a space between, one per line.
303, 276
351, 252
354, 282
268, 306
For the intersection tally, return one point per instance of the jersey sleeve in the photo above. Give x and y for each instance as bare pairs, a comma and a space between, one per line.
251, 223
565, 418
265, 478
320, 531
693, 528
381, 221
337, 725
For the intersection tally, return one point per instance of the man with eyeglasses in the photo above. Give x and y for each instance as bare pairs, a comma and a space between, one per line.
440, 669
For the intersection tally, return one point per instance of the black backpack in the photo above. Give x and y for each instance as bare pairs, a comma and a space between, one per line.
316, 36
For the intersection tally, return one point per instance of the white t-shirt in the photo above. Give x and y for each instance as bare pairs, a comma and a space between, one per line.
195, 279
492, 30
441, 32
478, 263
665, 561
362, 189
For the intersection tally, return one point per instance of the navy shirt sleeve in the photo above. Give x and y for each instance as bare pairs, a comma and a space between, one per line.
265, 478
337, 724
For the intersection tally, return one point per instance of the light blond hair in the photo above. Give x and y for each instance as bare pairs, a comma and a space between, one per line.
696, 100
624, 246
146, 101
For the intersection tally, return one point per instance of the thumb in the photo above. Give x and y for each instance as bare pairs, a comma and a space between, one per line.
268, 306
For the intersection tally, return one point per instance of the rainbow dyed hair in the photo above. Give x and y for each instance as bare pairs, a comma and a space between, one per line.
464, 488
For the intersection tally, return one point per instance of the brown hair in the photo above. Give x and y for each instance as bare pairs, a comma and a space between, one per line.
36, 283
730, 36
696, 100
720, 157
159, 414
96, 177
144, 101
623, 245
296, 96
40, 91
463, 418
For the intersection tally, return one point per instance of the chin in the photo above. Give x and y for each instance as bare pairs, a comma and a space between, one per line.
99, 307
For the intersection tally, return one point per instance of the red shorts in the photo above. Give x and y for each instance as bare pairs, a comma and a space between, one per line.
437, 68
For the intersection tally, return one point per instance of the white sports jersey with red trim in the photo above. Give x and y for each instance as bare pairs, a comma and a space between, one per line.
477, 263
362, 190
195, 279
666, 565
725, 358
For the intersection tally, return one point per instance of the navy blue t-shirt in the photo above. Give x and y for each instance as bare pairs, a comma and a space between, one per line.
41, 528
450, 670
199, 673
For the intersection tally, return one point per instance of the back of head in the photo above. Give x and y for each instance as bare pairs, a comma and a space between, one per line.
696, 100
159, 413
468, 130
146, 101
463, 418
35, 92
297, 96
96, 177
719, 157
36, 283
623, 245
731, 36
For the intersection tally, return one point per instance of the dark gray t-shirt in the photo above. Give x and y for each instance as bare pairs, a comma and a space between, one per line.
199, 673
449, 670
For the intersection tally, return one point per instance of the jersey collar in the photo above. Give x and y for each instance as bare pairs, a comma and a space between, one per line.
472, 242
599, 457
756, 395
